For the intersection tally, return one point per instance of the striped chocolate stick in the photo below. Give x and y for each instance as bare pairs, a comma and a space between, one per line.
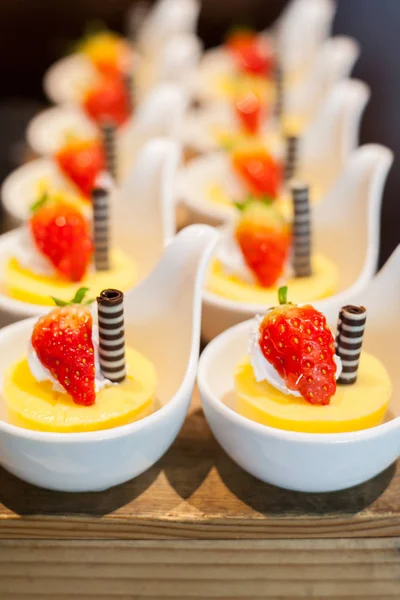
110, 312
101, 225
349, 339
279, 90
291, 157
301, 260
109, 136
129, 82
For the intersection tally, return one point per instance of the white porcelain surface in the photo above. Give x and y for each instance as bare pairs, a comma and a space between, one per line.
162, 320
143, 220
324, 149
177, 63
301, 461
300, 31
159, 115
165, 20
346, 229
333, 62
47, 132
66, 79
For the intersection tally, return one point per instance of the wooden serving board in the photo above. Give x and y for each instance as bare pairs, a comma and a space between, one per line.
198, 526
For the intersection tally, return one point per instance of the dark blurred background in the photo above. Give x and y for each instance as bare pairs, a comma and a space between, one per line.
34, 33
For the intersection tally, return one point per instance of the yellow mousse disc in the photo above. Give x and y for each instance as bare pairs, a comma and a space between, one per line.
231, 86
322, 283
353, 407
216, 194
34, 405
26, 286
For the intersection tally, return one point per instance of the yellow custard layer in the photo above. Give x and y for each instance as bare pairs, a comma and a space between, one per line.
231, 86
321, 284
34, 405
26, 286
216, 194
353, 407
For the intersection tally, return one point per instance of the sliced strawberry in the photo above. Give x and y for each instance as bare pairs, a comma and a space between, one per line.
261, 173
62, 234
248, 112
108, 100
251, 53
298, 343
82, 161
63, 343
264, 239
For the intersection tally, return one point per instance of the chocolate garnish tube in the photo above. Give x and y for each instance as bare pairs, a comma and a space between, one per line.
109, 137
349, 340
101, 226
291, 157
129, 82
110, 312
279, 87
301, 259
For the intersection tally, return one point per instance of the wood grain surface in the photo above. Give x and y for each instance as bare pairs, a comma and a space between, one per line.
196, 492
239, 570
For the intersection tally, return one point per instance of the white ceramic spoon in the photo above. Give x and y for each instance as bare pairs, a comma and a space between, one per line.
143, 220
162, 320
302, 101
323, 151
303, 461
346, 229
297, 35
159, 115
333, 62
167, 19
66, 78
177, 63
300, 31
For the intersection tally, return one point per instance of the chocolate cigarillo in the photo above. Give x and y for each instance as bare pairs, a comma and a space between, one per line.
349, 340
101, 224
108, 130
110, 311
291, 157
279, 100
301, 260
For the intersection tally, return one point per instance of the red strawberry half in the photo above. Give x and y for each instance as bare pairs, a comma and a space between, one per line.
63, 343
108, 100
264, 239
82, 161
299, 344
251, 53
62, 234
248, 112
261, 174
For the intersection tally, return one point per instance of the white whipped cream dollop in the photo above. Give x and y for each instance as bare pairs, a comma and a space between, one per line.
28, 255
263, 370
41, 373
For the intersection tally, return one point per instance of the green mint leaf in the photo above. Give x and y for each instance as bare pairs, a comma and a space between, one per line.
79, 296
39, 203
59, 302
282, 294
